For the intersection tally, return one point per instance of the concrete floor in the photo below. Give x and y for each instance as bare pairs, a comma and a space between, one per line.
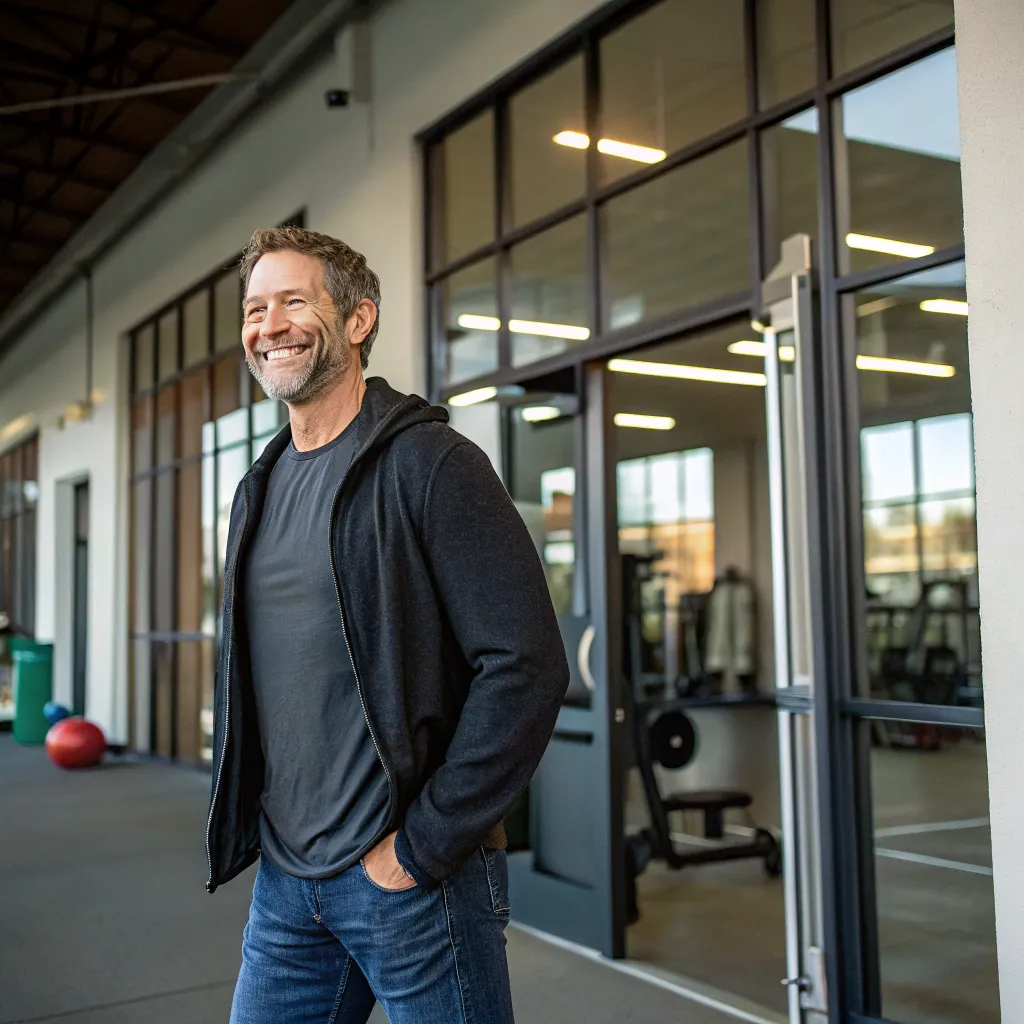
723, 924
104, 918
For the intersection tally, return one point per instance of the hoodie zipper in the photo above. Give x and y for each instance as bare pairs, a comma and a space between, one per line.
227, 702
352, 660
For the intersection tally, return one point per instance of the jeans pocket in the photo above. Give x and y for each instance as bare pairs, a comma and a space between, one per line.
382, 888
496, 866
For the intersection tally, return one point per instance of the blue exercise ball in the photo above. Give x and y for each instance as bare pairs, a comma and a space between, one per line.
54, 712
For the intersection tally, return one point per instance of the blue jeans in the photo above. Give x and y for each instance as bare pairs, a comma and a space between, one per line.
323, 952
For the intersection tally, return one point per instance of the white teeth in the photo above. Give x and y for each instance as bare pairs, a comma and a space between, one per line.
283, 353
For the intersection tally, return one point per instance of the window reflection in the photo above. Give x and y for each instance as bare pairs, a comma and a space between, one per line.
863, 30
547, 174
917, 488
901, 150
549, 293
789, 181
469, 306
786, 55
668, 78
464, 168
680, 239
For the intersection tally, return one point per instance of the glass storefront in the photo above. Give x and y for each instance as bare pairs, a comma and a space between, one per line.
618, 215
198, 421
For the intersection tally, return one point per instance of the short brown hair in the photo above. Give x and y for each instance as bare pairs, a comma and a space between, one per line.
346, 276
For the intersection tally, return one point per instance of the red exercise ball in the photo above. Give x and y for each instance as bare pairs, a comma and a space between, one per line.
75, 743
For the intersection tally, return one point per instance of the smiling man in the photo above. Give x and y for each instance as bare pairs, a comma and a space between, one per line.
389, 676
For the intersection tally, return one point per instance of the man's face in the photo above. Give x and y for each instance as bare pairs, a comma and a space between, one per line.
295, 342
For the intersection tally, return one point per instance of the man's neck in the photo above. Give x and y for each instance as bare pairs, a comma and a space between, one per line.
321, 420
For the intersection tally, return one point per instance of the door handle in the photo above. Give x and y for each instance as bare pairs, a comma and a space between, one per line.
583, 658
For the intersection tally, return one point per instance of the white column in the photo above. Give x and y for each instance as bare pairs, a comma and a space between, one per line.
990, 57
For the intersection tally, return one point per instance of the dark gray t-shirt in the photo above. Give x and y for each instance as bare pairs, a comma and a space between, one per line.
325, 794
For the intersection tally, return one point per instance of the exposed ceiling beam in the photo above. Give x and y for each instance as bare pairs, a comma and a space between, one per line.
38, 125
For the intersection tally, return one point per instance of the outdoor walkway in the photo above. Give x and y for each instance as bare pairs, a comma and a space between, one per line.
104, 918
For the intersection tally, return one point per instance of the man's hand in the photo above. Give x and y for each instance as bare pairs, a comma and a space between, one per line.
382, 867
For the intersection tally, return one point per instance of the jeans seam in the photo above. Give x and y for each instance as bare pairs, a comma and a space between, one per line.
342, 985
455, 953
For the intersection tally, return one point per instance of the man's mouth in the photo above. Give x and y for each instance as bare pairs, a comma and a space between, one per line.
283, 352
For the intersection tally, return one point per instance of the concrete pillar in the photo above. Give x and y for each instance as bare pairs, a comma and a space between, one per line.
990, 58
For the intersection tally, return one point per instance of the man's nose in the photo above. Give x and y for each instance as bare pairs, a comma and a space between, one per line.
275, 322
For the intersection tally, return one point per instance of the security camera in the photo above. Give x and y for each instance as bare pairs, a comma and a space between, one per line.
336, 97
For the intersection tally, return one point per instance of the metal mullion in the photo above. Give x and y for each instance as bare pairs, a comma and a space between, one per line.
755, 196
503, 218
890, 62
863, 279
478, 254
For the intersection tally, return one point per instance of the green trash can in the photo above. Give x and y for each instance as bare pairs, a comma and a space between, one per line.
33, 687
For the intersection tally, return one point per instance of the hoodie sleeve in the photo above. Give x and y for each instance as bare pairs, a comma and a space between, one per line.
491, 583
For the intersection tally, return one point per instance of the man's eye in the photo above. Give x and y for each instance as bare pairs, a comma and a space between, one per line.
292, 302
255, 312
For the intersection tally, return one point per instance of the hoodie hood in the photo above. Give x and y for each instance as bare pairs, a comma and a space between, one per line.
384, 413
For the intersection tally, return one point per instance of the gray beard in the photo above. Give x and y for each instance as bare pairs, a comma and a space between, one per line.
332, 356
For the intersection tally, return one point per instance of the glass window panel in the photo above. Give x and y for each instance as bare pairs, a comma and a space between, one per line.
665, 484
948, 538
699, 471
167, 345
145, 358
899, 161
166, 424
549, 293
887, 462
268, 416
191, 413
464, 166
864, 30
206, 669
141, 682
890, 540
543, 487
188, 702
226, 377
469, 311
142, 435
789, 181
787, 58
546, 174
164, 566
190, 549
933, 875
233, 428
141, 578
668, 78
946, 454
211, 608
227, 312
632, 485
231, 467
196, 328
163, 699
681, 239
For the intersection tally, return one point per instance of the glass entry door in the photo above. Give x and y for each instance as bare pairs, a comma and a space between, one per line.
565, 854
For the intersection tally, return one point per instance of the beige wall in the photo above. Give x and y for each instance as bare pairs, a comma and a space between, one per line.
990, 46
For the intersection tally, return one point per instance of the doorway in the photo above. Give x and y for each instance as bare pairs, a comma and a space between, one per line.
80, 607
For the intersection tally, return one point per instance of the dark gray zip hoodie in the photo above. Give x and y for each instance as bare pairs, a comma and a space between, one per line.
446, 612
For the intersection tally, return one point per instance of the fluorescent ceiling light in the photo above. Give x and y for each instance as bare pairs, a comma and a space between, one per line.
955, 306
474, 322
705, 373
612, 147
473, 397
910, 250
881, 363
567, 331
877, 306
635, 419
539, 413
886, 365
787, 353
